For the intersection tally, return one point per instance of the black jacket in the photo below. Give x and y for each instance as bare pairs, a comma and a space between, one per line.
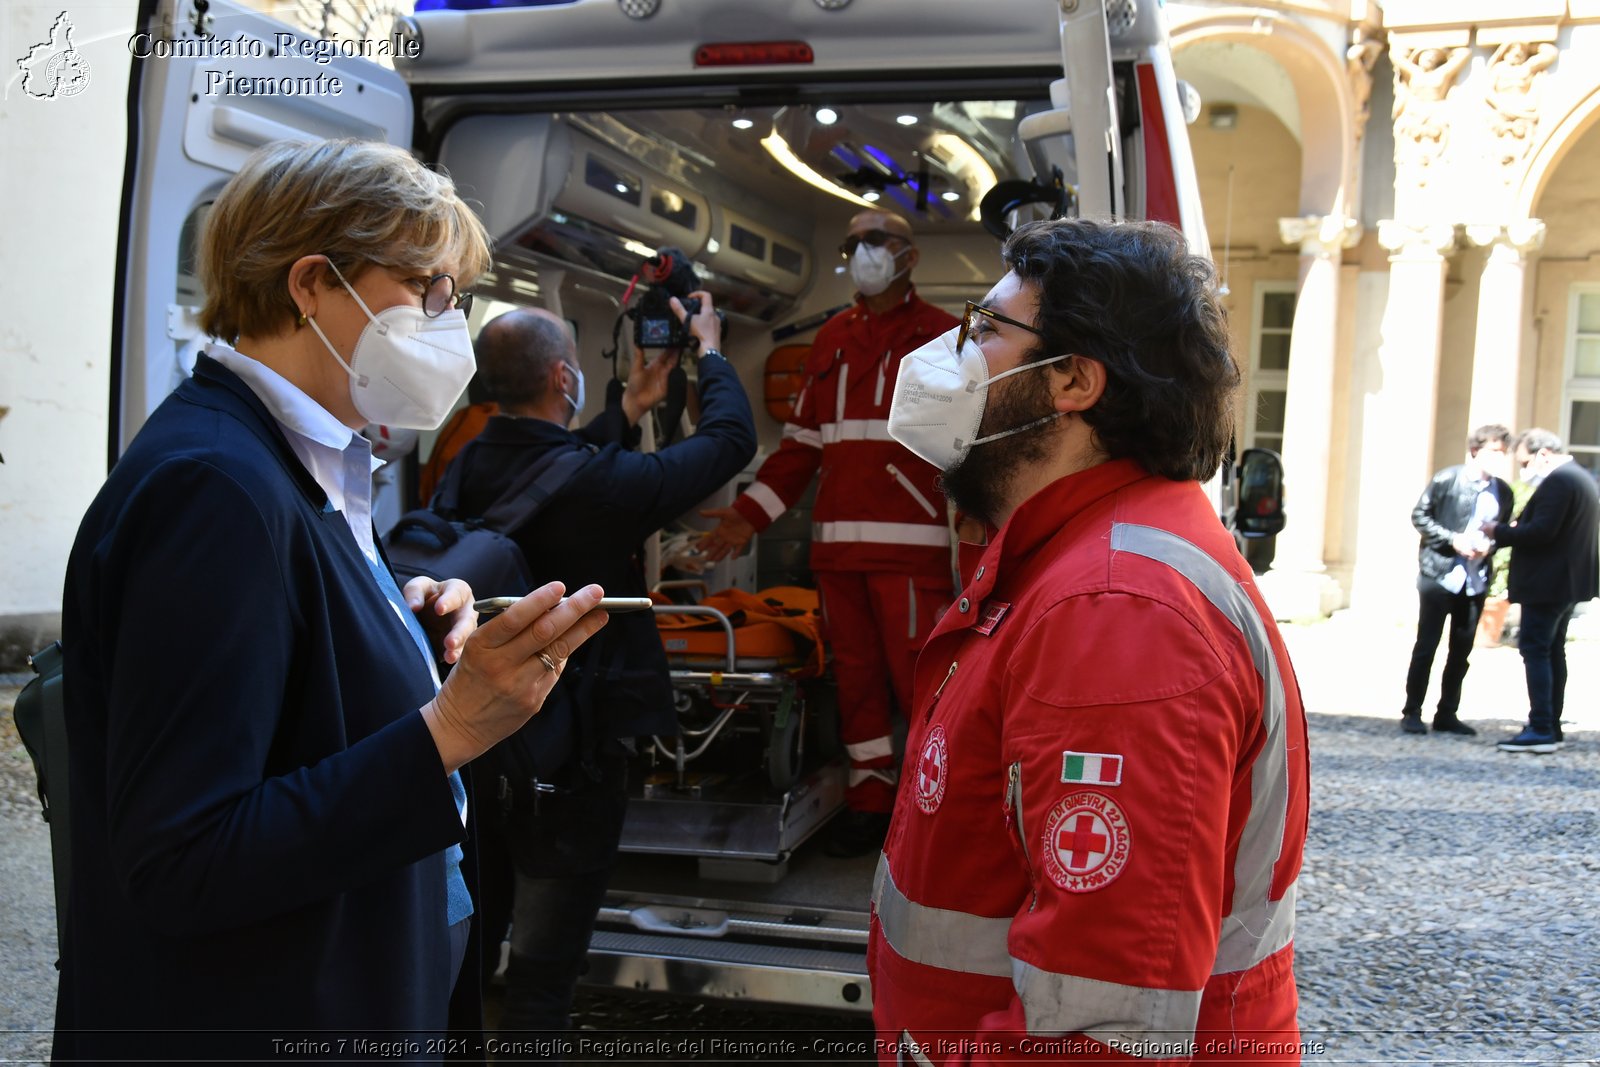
1444, 510
259, 813
1555, 557
592, 529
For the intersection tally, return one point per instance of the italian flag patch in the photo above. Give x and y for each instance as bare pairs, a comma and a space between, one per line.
1094, 768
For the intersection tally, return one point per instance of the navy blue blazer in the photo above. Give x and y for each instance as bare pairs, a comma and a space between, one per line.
592, 529
259, 813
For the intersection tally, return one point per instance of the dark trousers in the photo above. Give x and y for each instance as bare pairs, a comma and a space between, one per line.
564, 854
1437, 605
1543, 644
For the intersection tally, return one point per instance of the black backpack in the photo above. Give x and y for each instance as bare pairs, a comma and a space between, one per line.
439, 542
42, 724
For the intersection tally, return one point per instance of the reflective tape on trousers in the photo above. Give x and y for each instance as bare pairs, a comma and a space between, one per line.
882, 533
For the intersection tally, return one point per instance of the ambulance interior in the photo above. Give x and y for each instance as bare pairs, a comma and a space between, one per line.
759, 198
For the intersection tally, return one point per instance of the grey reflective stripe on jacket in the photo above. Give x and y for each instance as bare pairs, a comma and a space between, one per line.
1114, 1015
1053, 1003
1258, 925
939, 937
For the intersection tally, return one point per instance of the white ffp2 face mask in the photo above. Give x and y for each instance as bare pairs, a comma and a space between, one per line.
939, 399
576, 401
407, 369
872, 268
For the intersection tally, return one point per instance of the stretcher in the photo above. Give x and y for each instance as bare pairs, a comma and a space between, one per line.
752, 770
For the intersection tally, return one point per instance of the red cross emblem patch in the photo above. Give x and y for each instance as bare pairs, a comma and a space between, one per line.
932, 770
1086, 842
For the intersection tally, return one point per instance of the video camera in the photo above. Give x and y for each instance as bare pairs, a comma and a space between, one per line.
669, 273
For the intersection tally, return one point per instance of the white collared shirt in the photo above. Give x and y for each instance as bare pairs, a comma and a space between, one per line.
338, 458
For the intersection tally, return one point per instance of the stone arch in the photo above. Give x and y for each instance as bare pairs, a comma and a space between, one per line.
1328, 156
1546, 159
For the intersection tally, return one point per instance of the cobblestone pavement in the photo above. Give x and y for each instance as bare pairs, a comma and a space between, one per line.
1447, 914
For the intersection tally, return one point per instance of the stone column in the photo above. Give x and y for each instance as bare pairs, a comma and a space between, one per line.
1298, 585
1398, 417
1497, 350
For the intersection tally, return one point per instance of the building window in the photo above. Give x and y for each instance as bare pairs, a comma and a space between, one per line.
1272, 323
1580, 394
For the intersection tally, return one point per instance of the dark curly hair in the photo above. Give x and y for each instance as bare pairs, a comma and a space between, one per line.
1129, 295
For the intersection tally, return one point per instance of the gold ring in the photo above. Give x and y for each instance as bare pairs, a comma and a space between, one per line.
550, 664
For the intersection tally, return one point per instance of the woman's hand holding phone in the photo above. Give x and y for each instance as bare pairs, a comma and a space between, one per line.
508, 667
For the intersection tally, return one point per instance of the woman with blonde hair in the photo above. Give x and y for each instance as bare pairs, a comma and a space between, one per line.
265, 811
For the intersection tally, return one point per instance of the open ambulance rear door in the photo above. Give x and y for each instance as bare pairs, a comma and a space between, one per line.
210, 83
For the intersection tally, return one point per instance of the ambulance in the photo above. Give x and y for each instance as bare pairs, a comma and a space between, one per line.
593, 134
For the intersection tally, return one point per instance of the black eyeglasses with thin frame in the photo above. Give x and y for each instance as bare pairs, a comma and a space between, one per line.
969, 322
439, 295
875, 238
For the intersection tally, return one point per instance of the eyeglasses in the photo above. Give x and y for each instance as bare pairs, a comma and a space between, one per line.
875, 238
439, 295
975, 311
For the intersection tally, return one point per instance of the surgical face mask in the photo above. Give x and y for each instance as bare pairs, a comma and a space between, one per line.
872, 268
1492, 464
407, 369
1532, 472
576, 401
940, 396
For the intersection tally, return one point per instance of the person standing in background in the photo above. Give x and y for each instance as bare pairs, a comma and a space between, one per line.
880, 543
1454, 564
1554, 568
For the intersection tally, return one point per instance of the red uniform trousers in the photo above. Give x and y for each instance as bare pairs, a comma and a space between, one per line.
876, 624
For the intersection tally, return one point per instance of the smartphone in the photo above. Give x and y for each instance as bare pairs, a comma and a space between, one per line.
496, 604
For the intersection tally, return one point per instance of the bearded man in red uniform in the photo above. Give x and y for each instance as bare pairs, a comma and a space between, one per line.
880, 547
1103, 807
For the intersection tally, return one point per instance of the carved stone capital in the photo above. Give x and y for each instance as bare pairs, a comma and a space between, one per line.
1523, 236
1320, 235
1417, 239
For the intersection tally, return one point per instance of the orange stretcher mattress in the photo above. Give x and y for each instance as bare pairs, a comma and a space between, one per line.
779, 627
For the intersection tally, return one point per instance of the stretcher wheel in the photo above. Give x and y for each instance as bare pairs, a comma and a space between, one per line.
786, 745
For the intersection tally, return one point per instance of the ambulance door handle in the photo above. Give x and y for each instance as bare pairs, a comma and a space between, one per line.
241, 127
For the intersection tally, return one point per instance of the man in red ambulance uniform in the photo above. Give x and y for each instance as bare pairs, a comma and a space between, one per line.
1103, 805
880, 547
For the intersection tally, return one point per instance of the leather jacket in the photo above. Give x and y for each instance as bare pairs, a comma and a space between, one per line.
1443, 511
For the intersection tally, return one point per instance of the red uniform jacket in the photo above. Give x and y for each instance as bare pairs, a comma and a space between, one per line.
1103, 806
877, 507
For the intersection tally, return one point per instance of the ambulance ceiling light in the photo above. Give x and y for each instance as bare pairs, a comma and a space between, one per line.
871, 196
742, 123
1223, 116
639, 9
966, 163
906, 120
950, 195
780, 151
826, 116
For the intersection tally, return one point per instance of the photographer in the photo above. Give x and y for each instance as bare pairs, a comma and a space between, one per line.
563, 834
